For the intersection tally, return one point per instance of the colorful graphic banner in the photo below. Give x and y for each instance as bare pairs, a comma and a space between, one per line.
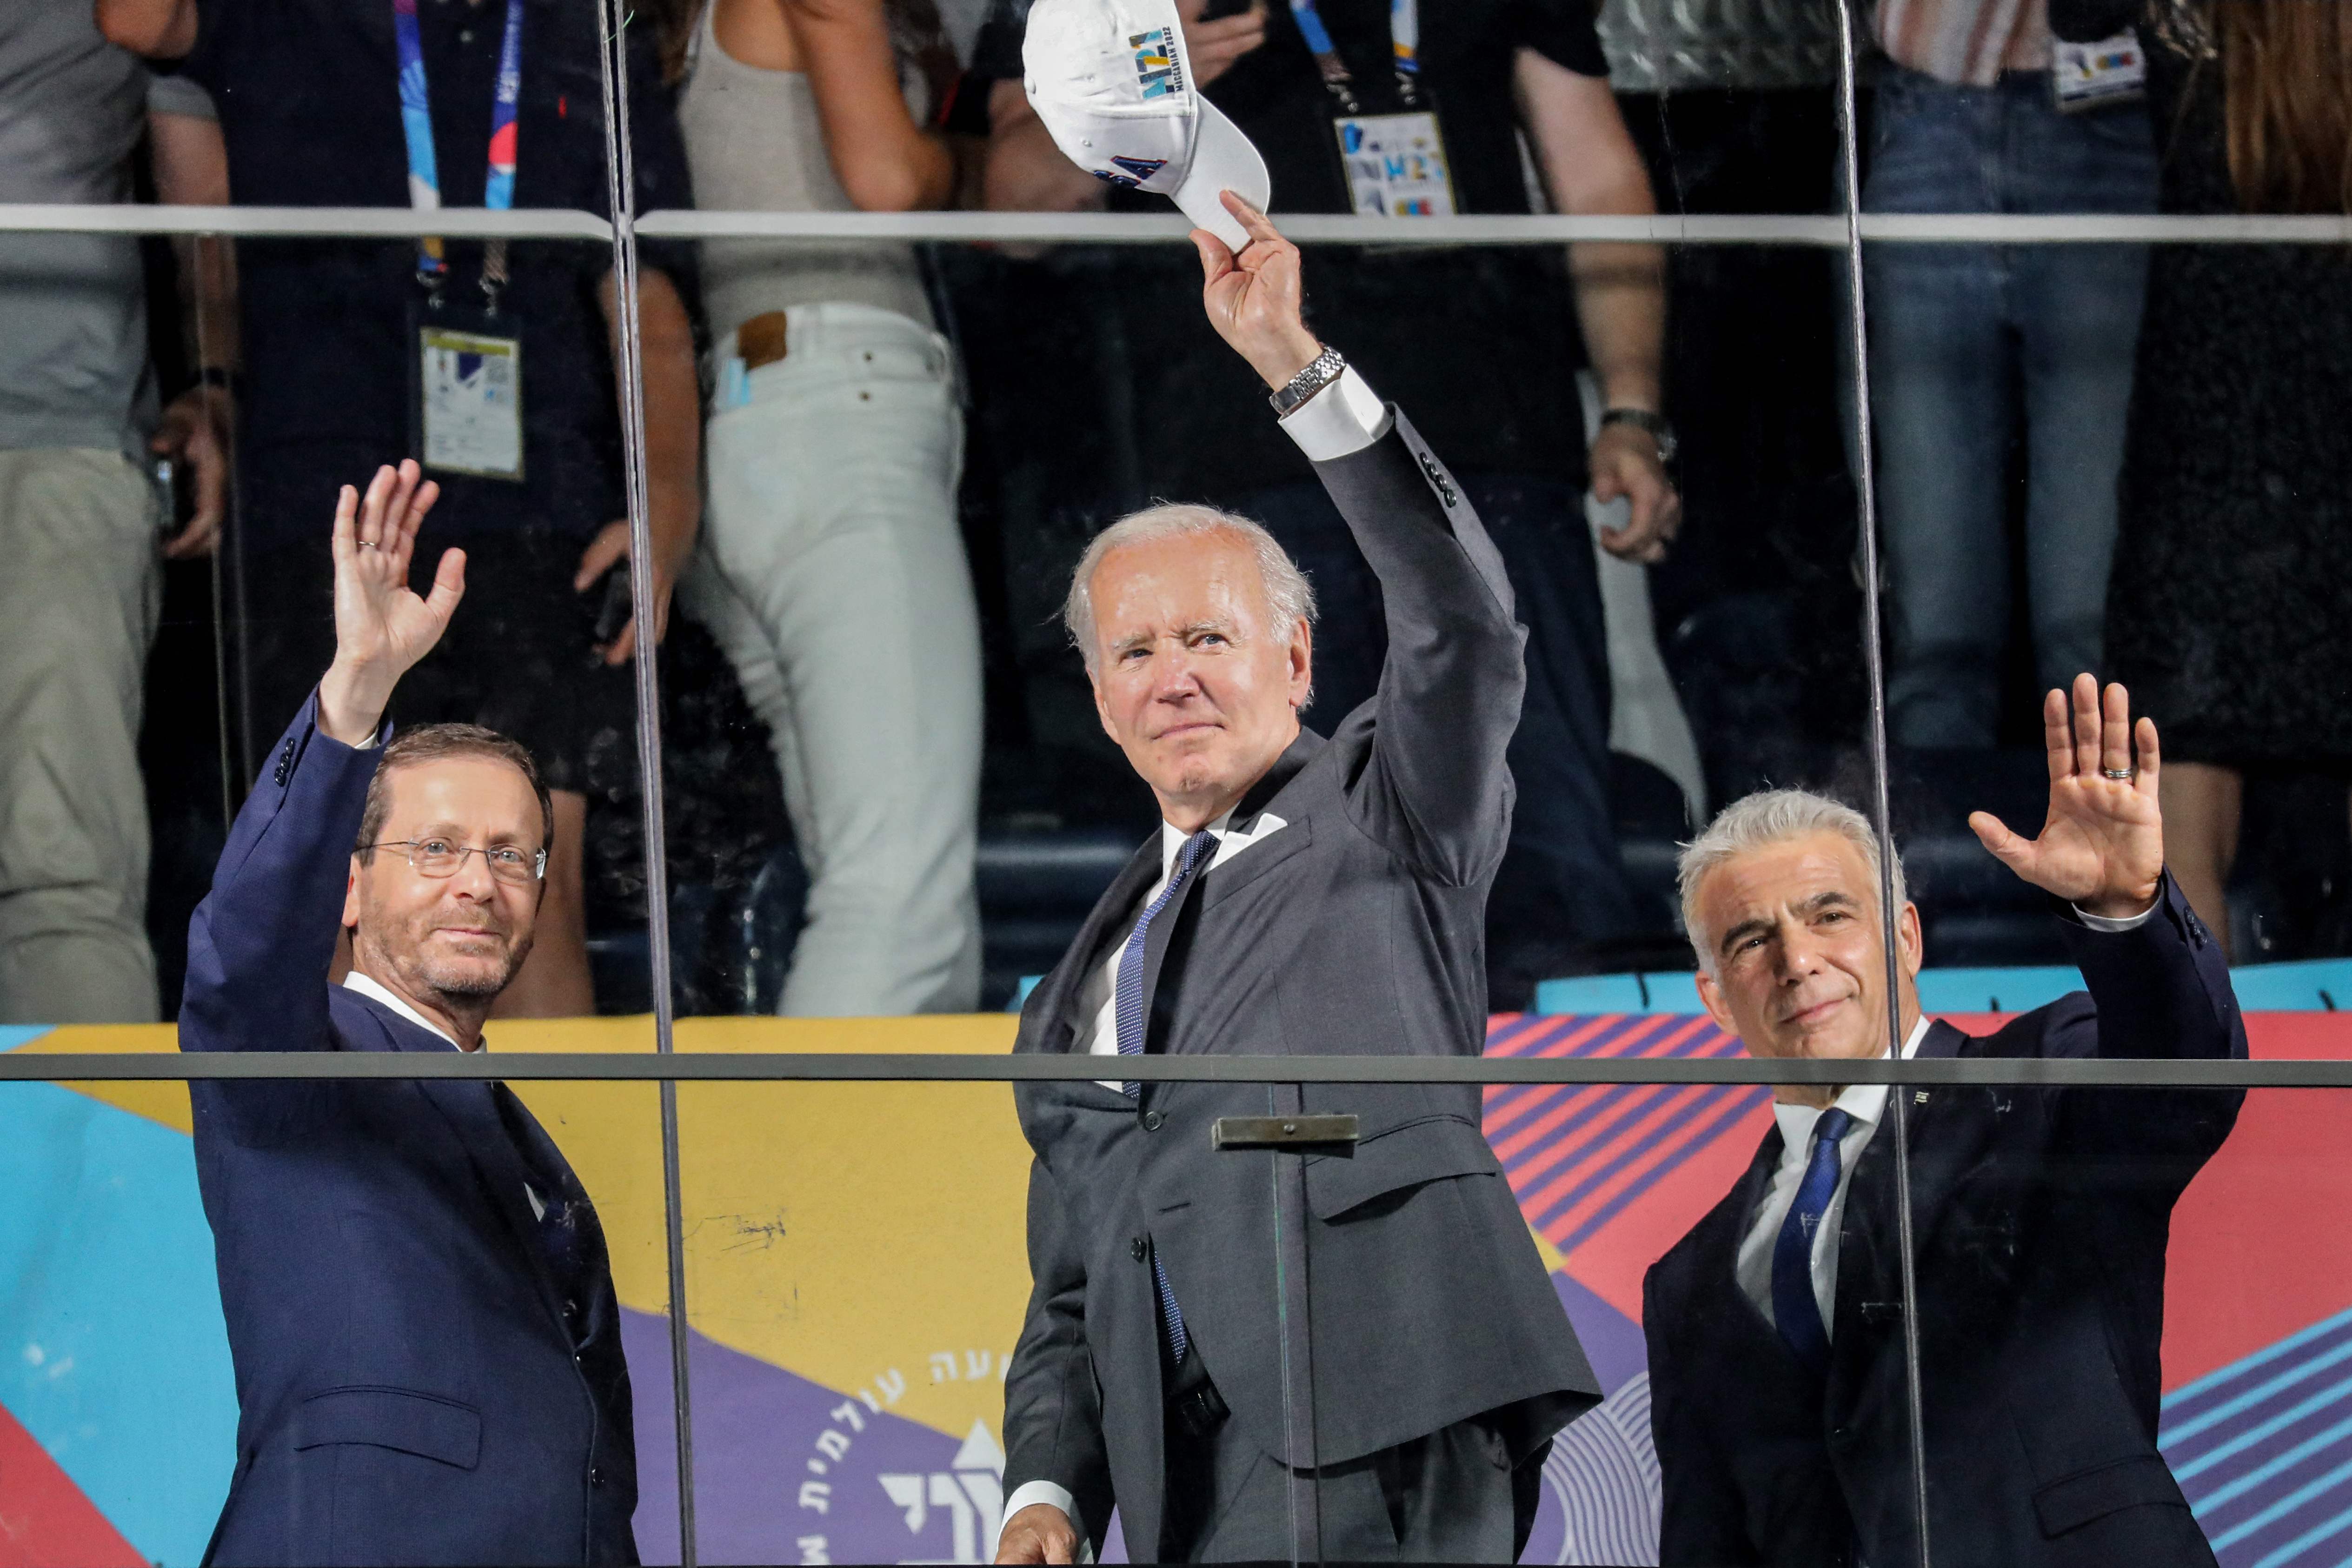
856, 1274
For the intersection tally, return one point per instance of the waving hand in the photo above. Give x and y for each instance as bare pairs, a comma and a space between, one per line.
2102, 847
383, 626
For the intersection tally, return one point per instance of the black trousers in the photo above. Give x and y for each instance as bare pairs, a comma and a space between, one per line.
1453, 1495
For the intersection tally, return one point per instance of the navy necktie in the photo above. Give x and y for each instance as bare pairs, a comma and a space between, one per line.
1132, 1028
1795, 1310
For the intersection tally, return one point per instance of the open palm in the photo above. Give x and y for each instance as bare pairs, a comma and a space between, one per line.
2102, 845
380, 623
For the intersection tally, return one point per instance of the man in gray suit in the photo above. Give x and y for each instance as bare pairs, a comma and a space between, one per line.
1302, 897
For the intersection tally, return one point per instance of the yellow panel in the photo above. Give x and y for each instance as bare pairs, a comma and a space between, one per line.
865, 1236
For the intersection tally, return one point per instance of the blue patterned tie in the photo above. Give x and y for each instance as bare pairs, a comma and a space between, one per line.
1132, 1025
1794, 1308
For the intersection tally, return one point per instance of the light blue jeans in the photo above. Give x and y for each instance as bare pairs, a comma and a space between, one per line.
1963, 339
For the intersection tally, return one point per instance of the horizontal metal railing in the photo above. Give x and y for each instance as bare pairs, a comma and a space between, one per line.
695, 1067
1823, 231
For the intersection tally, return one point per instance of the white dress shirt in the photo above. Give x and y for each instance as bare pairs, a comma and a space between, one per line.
1345, 417
1866, 1103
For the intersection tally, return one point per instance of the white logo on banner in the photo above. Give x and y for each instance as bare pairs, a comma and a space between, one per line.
973, 1494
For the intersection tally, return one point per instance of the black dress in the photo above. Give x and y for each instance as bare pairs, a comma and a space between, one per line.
2227, 609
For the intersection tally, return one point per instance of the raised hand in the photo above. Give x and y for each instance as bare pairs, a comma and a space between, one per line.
381, 626
2102, 847
1254, 298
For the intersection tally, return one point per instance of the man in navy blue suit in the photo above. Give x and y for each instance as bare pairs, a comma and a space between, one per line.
1779, 1398
426, 1341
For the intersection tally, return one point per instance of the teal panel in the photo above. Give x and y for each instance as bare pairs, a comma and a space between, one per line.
2315, 985
2007, 990
112, 1353
1590, 994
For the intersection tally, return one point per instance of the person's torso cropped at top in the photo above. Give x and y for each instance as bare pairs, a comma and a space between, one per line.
310, 104
756, 141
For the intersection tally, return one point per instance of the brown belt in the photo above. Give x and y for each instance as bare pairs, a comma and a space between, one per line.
760, 339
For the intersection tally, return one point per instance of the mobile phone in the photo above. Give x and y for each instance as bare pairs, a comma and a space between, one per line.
615, 612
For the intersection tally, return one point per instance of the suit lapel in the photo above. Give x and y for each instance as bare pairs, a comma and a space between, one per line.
1048, 1025
473, 1117
1942, 1147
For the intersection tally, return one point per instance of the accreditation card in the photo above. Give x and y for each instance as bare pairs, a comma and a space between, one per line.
1396, 165
470, 401
2092, 75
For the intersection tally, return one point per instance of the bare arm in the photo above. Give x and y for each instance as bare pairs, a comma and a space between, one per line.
159, 29
673, 405
191, 170
886, 162
1590, 165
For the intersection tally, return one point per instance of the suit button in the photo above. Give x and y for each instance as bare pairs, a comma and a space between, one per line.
595, 1475
1136, 1249
1842, 1435
1153, 1121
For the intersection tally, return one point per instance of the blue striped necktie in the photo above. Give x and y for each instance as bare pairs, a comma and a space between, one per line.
1132, 1028
1795, 1310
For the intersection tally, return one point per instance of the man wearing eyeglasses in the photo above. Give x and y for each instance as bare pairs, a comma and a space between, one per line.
418, 1300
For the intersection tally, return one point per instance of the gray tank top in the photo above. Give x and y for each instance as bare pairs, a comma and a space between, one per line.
755, 144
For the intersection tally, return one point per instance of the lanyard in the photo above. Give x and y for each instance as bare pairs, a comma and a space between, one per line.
424, 172
1404, 48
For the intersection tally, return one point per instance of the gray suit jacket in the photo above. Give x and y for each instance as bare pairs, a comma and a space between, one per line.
1359, 928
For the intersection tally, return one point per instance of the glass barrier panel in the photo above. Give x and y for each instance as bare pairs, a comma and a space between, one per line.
312, 1320
2129, 1345
891, 1289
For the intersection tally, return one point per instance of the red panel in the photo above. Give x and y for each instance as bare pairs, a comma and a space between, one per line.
2258, 1247
45, 1522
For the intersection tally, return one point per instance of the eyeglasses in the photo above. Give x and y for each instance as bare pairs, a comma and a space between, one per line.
438, 857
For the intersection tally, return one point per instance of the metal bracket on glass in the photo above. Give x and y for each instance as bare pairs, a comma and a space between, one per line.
1288, 1134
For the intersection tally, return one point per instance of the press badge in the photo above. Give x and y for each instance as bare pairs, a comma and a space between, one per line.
1396, 165
2092, 75
469, 402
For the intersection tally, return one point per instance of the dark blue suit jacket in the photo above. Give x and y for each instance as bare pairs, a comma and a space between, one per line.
417, 1381
2040, 1220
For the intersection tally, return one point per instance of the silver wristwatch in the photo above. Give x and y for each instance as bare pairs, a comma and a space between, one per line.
1320, 372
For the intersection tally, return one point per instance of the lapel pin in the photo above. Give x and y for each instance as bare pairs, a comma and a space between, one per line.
1920, 1098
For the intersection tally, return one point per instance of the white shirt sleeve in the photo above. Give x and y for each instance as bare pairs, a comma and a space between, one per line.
1029, 1493
2109, 923
1346, 416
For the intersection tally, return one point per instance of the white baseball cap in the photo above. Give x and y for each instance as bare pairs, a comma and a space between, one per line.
1111, 79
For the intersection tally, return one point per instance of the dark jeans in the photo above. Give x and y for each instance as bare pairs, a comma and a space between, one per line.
1562, 888
1965, 341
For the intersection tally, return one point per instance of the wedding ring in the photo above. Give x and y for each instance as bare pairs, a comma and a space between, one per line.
370, 544
2121, 775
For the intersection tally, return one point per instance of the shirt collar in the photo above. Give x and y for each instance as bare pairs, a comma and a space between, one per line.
1172, 839
375, 990
1865, 1102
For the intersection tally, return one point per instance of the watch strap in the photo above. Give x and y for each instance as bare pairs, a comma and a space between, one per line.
1654, 425
1320, 372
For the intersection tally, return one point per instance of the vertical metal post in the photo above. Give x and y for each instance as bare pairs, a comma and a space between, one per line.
620, 174
1881, 811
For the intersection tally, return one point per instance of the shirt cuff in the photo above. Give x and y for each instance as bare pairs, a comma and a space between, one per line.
2109, 923
1032, 1492
1346, 416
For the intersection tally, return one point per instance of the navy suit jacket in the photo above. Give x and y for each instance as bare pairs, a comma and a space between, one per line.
2040, 1220
416, 1382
